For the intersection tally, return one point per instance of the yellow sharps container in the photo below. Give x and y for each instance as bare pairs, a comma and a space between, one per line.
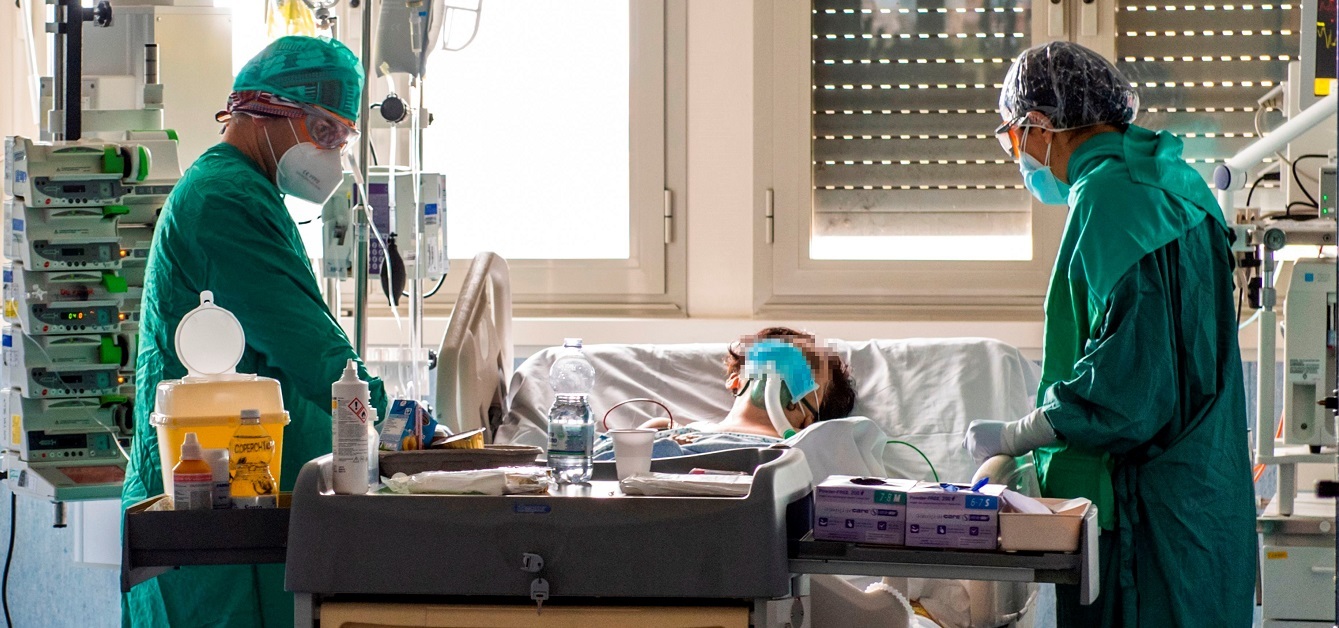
210, 399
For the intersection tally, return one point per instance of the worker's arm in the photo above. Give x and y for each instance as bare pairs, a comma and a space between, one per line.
257, 268
1124, 388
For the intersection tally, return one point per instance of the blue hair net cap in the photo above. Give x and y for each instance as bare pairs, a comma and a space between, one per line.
1071, 85
308, 70
786, 360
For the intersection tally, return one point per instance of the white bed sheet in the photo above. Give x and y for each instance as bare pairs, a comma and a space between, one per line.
922, 391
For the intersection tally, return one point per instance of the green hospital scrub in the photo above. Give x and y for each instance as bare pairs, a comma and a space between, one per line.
225, 228
1142, 381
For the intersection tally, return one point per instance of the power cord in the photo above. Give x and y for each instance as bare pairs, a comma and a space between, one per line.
1298, 179
9, 556
1269, 176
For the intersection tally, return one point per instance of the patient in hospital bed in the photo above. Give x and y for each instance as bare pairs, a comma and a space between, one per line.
747, 423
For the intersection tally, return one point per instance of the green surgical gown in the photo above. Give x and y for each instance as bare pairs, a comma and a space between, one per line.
1142, 381
225, 229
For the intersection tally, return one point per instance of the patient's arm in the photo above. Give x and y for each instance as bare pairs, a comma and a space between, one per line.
657, 424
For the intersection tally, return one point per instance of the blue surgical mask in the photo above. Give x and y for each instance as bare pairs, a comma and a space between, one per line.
1038, 179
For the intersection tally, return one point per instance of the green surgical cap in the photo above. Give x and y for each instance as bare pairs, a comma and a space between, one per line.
308, 70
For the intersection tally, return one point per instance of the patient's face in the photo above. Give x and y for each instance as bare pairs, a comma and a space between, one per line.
801, 412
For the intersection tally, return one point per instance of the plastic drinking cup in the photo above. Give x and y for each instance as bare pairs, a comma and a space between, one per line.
632, 451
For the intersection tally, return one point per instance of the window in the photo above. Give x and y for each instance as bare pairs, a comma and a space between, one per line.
904, 97
883, 184
551, 130
533, 132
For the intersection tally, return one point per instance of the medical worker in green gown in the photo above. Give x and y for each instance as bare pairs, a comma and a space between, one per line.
225, 229
1141, 407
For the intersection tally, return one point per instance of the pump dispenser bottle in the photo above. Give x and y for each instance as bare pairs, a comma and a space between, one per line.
350, 408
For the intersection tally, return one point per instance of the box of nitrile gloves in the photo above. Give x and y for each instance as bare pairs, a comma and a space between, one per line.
953, 515
861, 510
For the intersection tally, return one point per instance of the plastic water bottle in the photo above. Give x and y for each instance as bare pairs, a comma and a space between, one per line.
249, 455
571, 426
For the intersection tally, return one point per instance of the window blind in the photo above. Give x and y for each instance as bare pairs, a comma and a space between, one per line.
904, 105
1201, 66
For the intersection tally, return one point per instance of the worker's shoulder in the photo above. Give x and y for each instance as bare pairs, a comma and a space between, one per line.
1111, 184
224, 176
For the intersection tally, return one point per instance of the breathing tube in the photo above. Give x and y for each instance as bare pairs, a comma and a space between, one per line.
779, 364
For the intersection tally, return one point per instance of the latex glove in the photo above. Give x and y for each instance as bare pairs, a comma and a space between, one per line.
985, 439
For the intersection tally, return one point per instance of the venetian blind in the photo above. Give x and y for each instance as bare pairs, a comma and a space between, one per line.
1201, 66
904, 104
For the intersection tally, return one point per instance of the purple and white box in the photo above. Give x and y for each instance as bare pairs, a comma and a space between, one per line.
960, 519
861, 510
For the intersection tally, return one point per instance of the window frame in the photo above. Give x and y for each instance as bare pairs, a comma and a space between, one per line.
652, 281
788, 282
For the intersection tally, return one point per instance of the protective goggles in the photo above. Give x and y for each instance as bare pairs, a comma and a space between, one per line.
327, 130
1010, 135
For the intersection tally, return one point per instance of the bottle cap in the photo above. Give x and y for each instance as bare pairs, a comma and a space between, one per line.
251, 413
190, 448
209, 339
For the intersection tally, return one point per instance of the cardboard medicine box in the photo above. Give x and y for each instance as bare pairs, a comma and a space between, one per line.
861, 510
1056, 531
958, 519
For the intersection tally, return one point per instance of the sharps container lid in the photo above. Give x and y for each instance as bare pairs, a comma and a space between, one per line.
209, 339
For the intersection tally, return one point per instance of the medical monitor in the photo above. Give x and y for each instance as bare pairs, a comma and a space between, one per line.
1317, 50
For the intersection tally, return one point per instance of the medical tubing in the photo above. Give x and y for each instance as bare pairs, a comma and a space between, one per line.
605, 420
917, 450
772, 401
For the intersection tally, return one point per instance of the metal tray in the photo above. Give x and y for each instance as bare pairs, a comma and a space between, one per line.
490, 457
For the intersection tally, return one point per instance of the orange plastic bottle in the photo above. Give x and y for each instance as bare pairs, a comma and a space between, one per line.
192, 480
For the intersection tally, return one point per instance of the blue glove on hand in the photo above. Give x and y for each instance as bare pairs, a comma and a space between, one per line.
985, 439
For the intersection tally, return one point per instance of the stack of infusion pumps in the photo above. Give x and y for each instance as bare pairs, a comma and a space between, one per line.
78, 219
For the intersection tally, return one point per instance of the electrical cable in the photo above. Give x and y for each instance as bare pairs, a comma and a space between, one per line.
9, 555
1298, 179
917, 450
1288, 211
1262, 178
440, 283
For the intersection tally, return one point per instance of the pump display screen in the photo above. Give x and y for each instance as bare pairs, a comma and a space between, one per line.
78, 317
38, 441
76, 254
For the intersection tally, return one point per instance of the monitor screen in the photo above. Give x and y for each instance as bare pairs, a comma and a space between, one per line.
1317, 49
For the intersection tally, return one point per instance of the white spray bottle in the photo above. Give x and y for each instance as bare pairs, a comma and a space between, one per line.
351, 414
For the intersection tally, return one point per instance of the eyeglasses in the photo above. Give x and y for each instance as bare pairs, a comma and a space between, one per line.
1008, 135
327, 130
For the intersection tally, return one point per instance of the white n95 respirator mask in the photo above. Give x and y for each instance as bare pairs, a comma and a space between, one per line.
308, 171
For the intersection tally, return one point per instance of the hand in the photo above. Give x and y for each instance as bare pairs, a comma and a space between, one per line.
1015, 438
984, 439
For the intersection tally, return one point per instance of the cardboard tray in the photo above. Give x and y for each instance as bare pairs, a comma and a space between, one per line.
490, 457
1058, 532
